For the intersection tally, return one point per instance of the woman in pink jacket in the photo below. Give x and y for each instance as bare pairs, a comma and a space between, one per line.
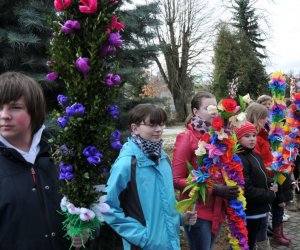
200, 236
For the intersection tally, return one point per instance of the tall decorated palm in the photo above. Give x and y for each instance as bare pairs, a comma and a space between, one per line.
86, 37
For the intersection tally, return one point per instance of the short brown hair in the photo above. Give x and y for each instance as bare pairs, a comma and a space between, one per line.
255, 112
14, 85
264, 98
141, 111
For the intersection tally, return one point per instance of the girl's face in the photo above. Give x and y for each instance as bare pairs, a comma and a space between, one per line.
267, 104
248, 140
262, 122
202, 111
148, 131
15, 123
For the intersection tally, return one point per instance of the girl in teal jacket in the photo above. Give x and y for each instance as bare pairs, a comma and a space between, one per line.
140, 189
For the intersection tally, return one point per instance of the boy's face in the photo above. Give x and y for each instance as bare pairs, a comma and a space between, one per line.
248, 140
148, 131
15, 123
267, 104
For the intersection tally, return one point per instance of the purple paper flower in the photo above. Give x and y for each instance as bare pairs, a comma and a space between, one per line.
62, 121
76, 109
116, 145
116, 79
115, 39
70, 26
107, 50
115, 140
108, 79
51, 76
62, 100
63, 148
82, 64
93, 155
66, 171
113, 110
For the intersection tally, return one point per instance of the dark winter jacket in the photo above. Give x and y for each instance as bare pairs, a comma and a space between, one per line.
29, 203
257, 192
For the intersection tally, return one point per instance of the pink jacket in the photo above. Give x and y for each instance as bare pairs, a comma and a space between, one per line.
184, 151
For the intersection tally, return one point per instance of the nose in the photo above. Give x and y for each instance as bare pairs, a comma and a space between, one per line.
5, 113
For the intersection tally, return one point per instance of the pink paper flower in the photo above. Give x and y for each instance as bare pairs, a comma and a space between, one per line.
60, 5
89, 6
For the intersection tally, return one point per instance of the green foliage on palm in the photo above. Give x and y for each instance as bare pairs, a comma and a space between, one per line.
95, 127
246, 21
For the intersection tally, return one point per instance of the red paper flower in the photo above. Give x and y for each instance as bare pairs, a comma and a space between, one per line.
297, 96
229, 104
60, 5
89, 6
217, 123
115, 24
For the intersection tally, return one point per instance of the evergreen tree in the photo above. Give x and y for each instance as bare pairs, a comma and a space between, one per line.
137, 54
225, 61
245, 20
24, 35
235, 59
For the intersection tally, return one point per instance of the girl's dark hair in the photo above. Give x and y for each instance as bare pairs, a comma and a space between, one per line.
14, 85
197, 99
141, 111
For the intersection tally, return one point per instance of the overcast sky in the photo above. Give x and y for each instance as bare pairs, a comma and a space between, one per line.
283, 31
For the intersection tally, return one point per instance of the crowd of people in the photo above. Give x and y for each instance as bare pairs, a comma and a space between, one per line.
140, 189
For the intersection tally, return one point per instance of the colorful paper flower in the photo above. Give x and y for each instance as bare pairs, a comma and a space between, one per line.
82, 64
62, 100
93, 155
88, 6
113, 110
76, 109
70, 26
62, 121
60, 5
115, 39
52, 76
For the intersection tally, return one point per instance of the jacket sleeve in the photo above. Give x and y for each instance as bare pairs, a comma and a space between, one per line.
126, 226
254, 194
181, 155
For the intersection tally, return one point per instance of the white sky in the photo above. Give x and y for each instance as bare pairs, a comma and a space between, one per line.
283, 30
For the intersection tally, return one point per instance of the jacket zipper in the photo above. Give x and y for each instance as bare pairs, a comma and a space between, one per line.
42, 202
260, 167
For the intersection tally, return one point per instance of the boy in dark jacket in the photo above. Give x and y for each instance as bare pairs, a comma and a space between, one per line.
29, 198
259, 191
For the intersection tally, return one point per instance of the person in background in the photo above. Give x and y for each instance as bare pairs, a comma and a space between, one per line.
29, 198
201, 236
259, 191
266, 101
140, 189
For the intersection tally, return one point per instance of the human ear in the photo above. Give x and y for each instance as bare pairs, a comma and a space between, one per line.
195, 111
134, 128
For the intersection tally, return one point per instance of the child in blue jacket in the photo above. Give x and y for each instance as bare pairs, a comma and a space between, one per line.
140, 189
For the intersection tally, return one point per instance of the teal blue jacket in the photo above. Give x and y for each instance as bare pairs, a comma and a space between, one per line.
141, 199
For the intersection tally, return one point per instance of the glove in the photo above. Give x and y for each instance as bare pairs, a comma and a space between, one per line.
227, 192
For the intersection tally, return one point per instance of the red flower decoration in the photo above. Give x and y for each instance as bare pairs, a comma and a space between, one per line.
115, 24
61, 4
217, 123
297, 96
229, 104
89, 6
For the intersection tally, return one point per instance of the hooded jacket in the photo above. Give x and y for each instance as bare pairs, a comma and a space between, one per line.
184, 151
141, 199
29, 202
257, 192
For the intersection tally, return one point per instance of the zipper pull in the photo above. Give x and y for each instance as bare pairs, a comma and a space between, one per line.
33, 174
